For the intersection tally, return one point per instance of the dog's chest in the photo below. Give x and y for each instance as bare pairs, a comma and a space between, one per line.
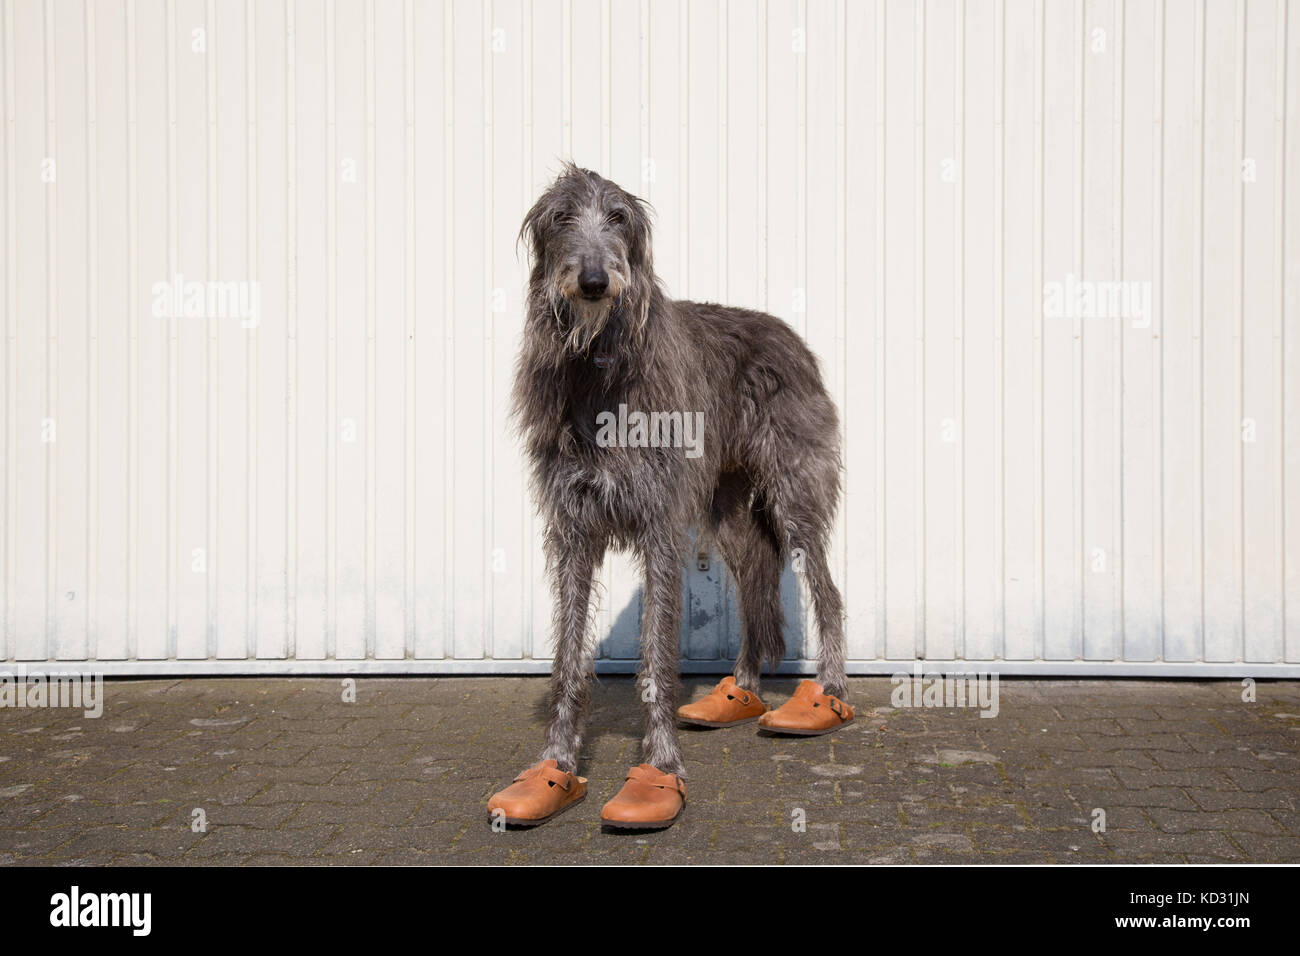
624, 490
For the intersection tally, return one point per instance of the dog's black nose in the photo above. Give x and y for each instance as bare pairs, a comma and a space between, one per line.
593, 282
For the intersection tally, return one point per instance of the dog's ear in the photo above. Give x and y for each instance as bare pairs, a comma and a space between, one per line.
640, 227
537, 225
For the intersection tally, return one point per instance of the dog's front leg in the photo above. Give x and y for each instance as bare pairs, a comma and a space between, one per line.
572, 564
660, 679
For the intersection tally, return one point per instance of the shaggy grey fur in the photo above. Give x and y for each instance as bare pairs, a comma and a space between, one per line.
600, 332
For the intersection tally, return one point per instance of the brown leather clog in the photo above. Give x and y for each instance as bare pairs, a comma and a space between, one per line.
811, 711
539, 793
726, 705
649, 799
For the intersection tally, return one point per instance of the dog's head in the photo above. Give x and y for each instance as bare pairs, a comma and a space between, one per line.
590, 246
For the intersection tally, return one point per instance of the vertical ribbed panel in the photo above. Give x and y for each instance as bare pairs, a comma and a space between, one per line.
903, 183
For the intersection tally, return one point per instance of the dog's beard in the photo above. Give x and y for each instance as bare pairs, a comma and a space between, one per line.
587, 318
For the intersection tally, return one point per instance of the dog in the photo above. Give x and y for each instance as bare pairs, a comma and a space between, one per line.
603, 343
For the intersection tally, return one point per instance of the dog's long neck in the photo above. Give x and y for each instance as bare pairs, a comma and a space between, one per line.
556, 386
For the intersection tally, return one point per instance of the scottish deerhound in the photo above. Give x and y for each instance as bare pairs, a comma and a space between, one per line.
600, 333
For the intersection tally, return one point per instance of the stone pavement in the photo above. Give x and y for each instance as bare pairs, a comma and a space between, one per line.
284, 771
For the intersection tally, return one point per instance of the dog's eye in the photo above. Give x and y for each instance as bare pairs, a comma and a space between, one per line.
616, 218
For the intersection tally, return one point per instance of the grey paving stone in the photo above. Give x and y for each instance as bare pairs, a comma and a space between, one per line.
288, 773
1265, 848
99, 843
299, 842
1153, 847
1179, 821
1274, 799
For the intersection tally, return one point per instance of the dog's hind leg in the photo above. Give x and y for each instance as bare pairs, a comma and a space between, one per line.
804, 513
659, 680
572, 566
828, 609
753, 555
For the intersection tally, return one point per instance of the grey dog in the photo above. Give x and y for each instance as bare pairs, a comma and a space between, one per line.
600, 333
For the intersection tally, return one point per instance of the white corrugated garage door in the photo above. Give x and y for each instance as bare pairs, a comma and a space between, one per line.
262, 298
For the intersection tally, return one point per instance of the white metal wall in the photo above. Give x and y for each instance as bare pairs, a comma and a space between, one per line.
335, 487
